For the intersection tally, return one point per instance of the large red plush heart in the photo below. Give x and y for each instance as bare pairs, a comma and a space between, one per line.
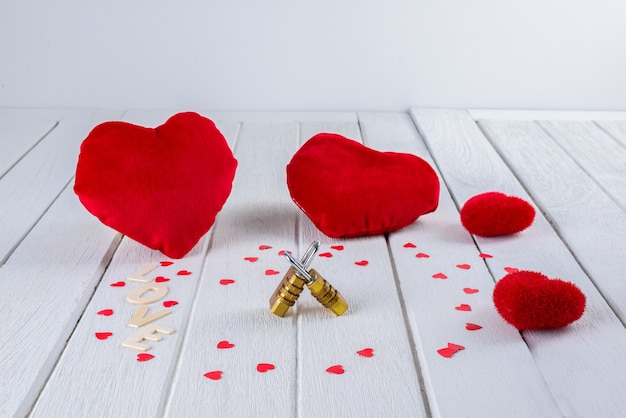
530, 300
349, 190
492, 214
162, 187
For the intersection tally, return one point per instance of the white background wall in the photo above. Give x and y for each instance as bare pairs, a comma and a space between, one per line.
314, 54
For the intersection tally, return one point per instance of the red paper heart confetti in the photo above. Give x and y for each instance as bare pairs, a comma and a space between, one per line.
409, 245
531, 300
106, 312
264, 367
226, 282
485, 255
366, 352
463, 307
450, 350
214, 375
144, 357
271, 272
118, 284
166, 263
439, 276
511, 269
223, 345
103, 335
337, 247
337, 369
264, 247
362, 263
493, 214
184, 273
162, 187
378, 192
170, 303
470, 291
161, 279
422, 255
251, 259
472, 327
463, 266
326, 255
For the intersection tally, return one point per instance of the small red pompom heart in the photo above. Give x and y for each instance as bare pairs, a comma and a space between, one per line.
493, 214
531, 300
350, 190
163, 186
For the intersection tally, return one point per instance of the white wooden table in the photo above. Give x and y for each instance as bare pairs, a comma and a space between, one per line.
59, 265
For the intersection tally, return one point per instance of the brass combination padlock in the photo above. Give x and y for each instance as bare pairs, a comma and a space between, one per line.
297, 276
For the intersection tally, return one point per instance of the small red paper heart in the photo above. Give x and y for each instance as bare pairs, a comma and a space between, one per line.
162, 187
463, 266
470, 291
463, 307
485, 255
531, 300
226, 282
493, 214
184, 273
170, 303
337, 369
161, 279
251, 259
409, 245
422, 255
326, 255
511, 269
264, 367
225, 345
106, 312
472, 327
271, 272
166, 263
214, 375
366, 352
144, 357
103, 335
264, 247
337, 247
439, 276
362, 263
359, 191
118, 284
450, 350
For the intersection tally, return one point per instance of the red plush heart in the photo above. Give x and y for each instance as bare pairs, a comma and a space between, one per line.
530, 300
350, 190
492, 214
162, 187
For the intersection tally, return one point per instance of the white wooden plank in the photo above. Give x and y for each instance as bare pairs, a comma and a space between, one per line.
20, 130
581, 364
44, 288
591, 223
137, 388
596, 152
386, 384
616, 128
32, 185
258, 213
519, 114
472, 383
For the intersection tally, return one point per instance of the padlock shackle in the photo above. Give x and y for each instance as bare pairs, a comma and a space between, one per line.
300, 270
309, 254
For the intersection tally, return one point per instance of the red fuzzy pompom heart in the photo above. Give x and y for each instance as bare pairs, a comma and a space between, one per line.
530, 300
162, 187
349, 190
492, 214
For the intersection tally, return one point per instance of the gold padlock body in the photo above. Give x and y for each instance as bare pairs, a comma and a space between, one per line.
287, 293
326, 294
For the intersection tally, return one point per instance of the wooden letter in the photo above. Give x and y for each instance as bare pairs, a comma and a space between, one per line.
148, 334
139, 318
138, 295
139, 275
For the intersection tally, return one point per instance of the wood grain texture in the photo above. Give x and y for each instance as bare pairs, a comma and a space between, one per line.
31, 186
597, 153
589, 221
486, 378
385, 384
582, 363
616, 128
